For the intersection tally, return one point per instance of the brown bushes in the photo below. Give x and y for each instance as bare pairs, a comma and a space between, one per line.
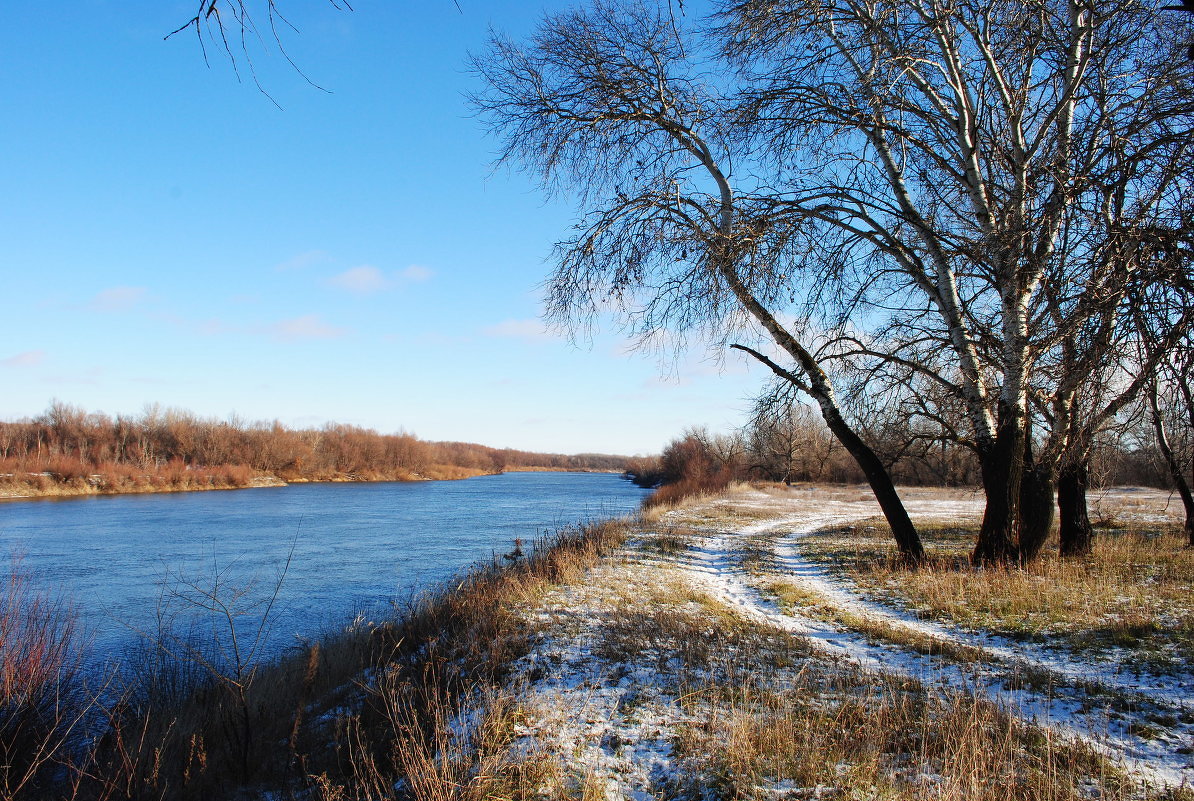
174, 450
695, 464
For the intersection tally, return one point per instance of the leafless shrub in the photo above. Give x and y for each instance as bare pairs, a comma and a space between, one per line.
43, 698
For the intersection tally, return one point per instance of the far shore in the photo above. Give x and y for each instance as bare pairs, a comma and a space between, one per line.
47, 487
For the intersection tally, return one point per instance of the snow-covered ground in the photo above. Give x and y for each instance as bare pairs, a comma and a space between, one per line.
618, 723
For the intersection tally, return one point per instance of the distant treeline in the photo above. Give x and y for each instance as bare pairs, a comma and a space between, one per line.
68, 449
790, 443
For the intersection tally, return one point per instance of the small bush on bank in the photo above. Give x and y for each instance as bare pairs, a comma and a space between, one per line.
695, 464
672, 494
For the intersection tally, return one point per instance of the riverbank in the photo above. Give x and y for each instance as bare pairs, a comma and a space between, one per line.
44, 485
711, 656
739, 646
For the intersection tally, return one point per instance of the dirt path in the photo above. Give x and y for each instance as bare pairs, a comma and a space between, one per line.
614, 717
1100, 702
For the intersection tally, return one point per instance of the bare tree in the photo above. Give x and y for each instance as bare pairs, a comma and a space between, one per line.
1173, 422
987, 166
234, 26
787, 442
1163, 338
616, 105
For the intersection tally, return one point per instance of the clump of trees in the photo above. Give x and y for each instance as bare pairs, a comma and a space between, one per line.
170, 448
695, 463
977, 213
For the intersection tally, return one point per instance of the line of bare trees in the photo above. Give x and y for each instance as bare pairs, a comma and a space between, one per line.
68, 445
976, 211
785, 441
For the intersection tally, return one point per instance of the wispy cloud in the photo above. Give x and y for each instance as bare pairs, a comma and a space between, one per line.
293, 329
302, 261
436, 339
213, 326
367, 279
30, 358
528, 330
363, 280
416, 274
91, 378
309, 326
117, 298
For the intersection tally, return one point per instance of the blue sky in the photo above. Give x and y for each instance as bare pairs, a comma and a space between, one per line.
169, 235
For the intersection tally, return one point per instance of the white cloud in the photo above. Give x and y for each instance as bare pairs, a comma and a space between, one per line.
308, 326
529, 330
213, 326
91, 378
29, 358
416, 274
117, 299
367, 279
362, 280
302, 261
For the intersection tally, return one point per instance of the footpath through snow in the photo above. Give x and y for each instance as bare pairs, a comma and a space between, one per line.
620, 724
1032, 680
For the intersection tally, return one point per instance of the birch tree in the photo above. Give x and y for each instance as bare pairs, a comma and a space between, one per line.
994, 162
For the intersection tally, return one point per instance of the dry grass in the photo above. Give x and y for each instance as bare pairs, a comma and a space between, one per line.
890, 741
795, 598
688, 489
42, 700
437, 714
667, 541
444, 749
693, 639
1135, 591
767, 716
711, 511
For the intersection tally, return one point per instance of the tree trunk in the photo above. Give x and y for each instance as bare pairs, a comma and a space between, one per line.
877, 476
1172, 462
1037, 504
879, 479
1036, 501
1077, 534
1003, 473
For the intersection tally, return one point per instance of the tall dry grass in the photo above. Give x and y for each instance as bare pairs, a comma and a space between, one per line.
890, 741
444, 662
43, 699
363, 713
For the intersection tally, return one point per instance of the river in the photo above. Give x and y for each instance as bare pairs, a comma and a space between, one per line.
124, 562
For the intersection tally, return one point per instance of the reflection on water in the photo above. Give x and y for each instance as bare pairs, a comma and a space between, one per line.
357, 547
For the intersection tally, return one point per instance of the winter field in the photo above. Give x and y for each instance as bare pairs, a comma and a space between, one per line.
760, 645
